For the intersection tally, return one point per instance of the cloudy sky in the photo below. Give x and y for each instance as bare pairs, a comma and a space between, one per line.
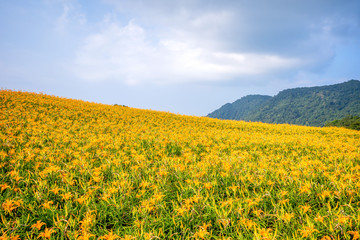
188, 57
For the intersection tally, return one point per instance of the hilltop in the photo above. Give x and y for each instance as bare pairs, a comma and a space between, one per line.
311, 106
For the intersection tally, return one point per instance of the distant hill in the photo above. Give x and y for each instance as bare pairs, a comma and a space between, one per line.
351, 122
241, 108
312, 106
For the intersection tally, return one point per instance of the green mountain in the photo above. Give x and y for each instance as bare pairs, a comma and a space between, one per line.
240, 108
351, 122
312, 106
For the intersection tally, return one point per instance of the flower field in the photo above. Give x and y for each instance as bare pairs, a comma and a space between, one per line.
71, 169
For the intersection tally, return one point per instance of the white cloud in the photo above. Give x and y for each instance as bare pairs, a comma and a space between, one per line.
69, 17
63, 20
125, 53
208, 41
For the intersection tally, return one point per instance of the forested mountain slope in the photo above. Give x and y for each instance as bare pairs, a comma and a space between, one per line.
241, 108
313, 106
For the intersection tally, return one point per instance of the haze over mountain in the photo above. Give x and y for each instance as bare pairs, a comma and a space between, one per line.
313, 106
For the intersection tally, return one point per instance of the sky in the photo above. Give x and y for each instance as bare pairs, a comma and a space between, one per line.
188, 57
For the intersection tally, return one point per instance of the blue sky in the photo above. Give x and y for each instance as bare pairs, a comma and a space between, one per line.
188, 57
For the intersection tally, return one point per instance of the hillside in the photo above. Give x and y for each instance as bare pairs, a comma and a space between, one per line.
71, 169
351, 122
241, 108
313, 106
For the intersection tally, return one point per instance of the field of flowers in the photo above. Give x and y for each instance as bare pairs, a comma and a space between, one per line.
71, 169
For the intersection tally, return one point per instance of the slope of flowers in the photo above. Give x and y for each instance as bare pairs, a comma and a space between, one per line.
71, 169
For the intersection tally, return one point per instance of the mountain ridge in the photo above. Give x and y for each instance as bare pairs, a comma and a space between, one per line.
240, 108
310, 106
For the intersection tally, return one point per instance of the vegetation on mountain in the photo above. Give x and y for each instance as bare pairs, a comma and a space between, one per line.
312, 106
71, 169
241, 108
351, 122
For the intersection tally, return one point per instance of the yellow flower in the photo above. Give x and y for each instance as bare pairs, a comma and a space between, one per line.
97, 179
47, 233
144, 184
196, 198
284, 201
265, 233
106, 196
47, 205
149, 236
127, 237
355, 234
270, 183
208, 185
81, 199
87, 221
113, 190
252, 202
307, 231
38, 225
4, 236
205, 225
55, 190
85, 236
66, 196
325, 194
4, 186
181, 210
10, 205
201, 233
248, 223
228, 202
319, 218
158, 196
305, 208
162, 172
305, 188
287, 217
17, 178
326, 238
283, 193
110, 236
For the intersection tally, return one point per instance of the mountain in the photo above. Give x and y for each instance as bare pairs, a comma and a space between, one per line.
351, 122
312, 106
240, 108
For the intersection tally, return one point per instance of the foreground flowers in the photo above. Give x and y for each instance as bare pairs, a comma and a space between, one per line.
76, 170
